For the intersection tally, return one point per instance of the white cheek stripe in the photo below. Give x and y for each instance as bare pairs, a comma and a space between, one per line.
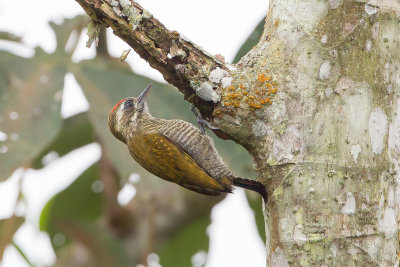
119, 117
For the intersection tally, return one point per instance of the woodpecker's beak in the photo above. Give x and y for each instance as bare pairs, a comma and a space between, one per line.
142, 98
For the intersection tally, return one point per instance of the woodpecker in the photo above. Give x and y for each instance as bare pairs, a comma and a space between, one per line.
174, 150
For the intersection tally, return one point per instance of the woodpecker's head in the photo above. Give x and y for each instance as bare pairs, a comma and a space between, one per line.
126, 113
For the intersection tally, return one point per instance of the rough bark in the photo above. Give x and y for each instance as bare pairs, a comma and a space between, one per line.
317, 104
336, 118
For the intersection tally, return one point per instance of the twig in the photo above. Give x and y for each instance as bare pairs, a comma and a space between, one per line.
22, 254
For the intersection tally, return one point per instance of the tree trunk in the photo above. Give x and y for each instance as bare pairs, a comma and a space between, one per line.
316, 103
336, 123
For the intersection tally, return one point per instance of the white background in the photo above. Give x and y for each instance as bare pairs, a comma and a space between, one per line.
220, 27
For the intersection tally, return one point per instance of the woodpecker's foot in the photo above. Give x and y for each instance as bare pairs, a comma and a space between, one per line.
200, 121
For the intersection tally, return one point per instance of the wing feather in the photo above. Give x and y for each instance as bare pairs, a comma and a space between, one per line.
201, 147
168, 160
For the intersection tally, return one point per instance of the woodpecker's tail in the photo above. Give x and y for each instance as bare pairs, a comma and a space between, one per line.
251, 185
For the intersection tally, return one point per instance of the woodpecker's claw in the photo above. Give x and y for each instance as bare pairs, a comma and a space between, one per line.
200, 121
203, 123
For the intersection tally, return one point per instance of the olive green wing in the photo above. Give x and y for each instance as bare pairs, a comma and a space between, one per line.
167, 160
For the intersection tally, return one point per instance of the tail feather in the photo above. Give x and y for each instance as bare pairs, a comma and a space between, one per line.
251, 185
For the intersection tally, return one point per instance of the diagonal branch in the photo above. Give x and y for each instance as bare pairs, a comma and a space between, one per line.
181, 62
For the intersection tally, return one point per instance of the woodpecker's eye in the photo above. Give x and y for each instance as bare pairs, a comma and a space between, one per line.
128, 104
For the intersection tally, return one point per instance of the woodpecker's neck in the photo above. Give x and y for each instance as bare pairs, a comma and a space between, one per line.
147, 124
137, 121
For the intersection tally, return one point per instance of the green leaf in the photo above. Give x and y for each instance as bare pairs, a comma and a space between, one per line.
251, 41
63, 31
74, 213
77, 203
256, 204
8, 227
76, 132
179, 250
30, 98
30, 103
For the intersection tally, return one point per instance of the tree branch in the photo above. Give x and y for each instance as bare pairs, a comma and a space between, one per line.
181, 62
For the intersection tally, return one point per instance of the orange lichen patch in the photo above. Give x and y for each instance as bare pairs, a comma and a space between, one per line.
176, 34
262, 78
254, 105
272, 90
276, 23
265, 89
234, 95
216, 113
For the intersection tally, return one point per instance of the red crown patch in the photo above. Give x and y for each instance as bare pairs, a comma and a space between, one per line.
117, 104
